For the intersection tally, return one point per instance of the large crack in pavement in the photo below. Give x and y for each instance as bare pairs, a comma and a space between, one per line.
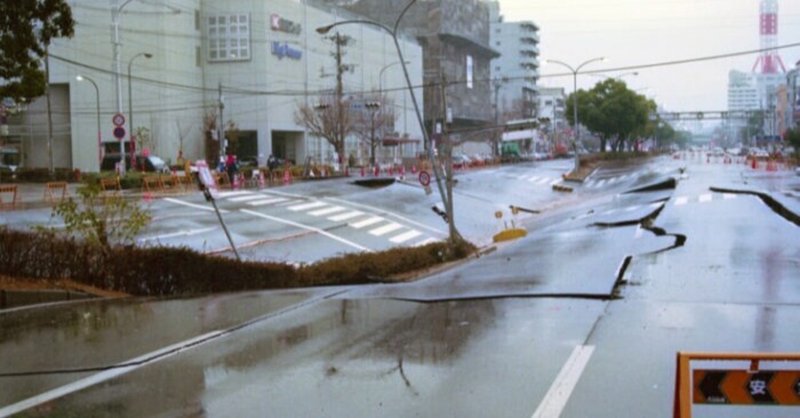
768, 200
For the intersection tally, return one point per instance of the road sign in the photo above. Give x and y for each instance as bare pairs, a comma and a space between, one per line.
742, 387
424, 178
118, 119
119, 132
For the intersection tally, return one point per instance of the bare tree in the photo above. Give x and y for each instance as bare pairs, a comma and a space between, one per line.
327, 120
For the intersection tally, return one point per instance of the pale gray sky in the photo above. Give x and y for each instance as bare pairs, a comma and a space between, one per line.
631, 32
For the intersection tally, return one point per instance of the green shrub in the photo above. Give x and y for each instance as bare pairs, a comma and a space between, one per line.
164, 271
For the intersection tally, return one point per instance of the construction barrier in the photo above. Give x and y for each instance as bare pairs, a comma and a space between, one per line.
287, 176
110, 184
151, 184
8, 195
755, 386
55, 190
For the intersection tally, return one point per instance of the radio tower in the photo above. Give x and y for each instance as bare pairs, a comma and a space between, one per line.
769, 60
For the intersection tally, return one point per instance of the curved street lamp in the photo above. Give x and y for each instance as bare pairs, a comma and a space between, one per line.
575, 91
454, 235
131, 137
615, 77
99, 134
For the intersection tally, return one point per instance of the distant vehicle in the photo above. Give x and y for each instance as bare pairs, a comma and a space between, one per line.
150, 163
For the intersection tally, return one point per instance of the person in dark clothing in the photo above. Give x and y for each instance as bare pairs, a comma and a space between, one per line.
231, 167
272, 165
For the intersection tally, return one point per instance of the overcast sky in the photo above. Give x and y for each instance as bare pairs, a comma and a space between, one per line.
631, 32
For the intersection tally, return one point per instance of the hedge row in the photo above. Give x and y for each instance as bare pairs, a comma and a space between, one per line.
163, 271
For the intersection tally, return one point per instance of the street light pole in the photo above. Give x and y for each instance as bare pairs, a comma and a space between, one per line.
130, 103
115, 14
454, 235
575, 97
99, 134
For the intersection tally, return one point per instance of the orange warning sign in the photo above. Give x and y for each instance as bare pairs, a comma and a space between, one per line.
743, 387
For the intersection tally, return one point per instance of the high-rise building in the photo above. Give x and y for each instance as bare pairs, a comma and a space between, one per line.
454, 35
516, 71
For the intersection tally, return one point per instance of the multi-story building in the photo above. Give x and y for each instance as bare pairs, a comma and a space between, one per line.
261, 60
793, 88
454, 35
551, 109
515, 73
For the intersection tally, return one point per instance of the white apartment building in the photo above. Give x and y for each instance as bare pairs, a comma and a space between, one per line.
263, 59
515, 73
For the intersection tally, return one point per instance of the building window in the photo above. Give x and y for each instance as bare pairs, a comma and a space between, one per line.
229, 38
469, 71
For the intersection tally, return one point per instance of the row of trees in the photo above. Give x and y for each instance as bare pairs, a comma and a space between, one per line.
620, 116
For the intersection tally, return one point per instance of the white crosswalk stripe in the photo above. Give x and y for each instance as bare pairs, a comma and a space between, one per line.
225, 195
269, 201
327, 211
367, 222
383, 230
426, 242
728, 196
307, 206
245, 198
345, 216
399, 239
682, 200
705, 198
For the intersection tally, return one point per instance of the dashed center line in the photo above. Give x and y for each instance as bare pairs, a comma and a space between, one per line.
682, 200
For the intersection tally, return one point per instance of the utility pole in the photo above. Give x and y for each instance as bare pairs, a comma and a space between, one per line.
49, 111
448, 161
220, 125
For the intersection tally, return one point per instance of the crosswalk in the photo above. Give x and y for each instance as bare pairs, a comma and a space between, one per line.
596, 183
538, 180
372, 224
703, 198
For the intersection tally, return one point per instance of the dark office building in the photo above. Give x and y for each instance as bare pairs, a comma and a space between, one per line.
454, 35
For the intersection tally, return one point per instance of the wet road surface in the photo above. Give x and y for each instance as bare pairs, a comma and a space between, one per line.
583, 317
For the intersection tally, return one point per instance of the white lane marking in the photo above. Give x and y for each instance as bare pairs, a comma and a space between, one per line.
534, 179
632, 208
655, 205
602, 182
728, 196
307, 206
192, 205
682, 200
399, 239
308, 228
345, 216
245, 198
103, 376
557, 396
224, 195
591, 184
394, 215
426, 242
543, 180
177, 234
385, 229
367, 222
270, 201
705, 198
327, 211
614, 180
639, 232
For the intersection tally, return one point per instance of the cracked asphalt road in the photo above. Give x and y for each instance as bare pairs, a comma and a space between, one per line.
594, 304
